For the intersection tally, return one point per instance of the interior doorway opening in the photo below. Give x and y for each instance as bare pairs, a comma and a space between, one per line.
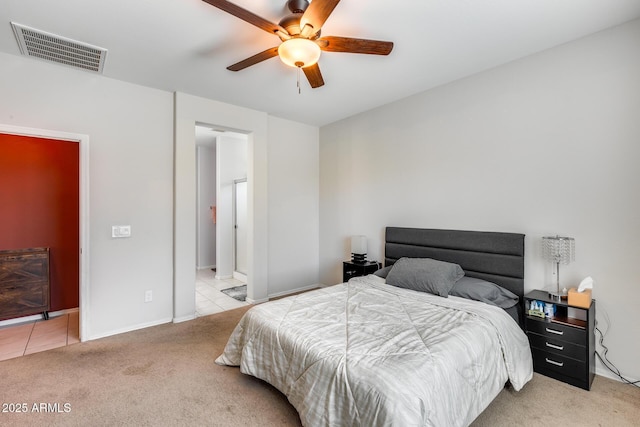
221, 254
189, 111
80, 248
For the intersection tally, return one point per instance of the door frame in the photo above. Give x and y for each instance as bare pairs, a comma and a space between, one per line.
188, 111
235, 225
83, 140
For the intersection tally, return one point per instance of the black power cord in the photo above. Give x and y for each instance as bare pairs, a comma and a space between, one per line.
606, 362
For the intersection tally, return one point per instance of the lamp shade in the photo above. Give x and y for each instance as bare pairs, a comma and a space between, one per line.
299, 52
558, 249
359, 245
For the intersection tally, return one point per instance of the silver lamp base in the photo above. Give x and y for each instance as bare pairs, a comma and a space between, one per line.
558, 295
555, 296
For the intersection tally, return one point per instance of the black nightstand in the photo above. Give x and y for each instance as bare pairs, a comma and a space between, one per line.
563, 346
354, 269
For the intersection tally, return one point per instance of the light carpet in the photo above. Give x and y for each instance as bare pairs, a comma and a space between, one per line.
165, 376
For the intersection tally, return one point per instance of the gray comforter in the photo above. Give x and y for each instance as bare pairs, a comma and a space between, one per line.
365, 353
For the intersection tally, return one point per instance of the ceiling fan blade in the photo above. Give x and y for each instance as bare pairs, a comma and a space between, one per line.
247, 16
259, 57
350, 45
314, 75
315, 16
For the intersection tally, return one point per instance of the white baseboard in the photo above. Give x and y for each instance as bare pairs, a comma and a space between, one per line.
130, 329
293, 291
285, 293
604, 372
35, 317
206, 267
184, 318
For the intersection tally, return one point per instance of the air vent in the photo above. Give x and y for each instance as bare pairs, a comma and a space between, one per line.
50, 47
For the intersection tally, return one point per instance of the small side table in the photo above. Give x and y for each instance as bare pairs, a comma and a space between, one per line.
354, 269
562, 345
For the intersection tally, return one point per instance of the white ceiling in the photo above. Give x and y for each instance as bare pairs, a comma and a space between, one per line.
186, 45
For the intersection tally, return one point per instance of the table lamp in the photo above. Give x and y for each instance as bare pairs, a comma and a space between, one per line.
560, 250
359, 249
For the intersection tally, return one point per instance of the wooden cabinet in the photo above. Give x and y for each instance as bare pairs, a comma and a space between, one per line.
354, 269
562, 345
24, 282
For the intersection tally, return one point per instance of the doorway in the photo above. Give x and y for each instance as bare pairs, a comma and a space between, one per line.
82, 243
189, 111
221, 163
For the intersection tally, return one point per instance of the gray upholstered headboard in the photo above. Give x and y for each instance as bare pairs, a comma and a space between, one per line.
492, 256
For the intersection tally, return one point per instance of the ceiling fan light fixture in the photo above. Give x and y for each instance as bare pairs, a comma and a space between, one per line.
299, 52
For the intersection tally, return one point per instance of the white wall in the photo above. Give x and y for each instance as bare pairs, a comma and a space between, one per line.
293, 206
206, 198
265, 136
130, 177
547, 144
190, 110
231, 154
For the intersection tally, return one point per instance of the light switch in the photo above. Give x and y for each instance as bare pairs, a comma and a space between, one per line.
119, 231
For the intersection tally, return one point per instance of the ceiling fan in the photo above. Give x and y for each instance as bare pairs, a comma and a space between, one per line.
299, 33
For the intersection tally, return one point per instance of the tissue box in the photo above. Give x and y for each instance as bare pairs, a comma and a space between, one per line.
579, 299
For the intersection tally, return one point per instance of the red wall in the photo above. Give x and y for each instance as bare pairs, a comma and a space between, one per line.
40, 207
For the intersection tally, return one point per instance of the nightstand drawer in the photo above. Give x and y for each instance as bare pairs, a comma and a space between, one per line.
558, 331
557, 346
545, 361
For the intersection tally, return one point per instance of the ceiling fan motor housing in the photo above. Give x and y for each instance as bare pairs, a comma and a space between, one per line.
297, 6
291, 23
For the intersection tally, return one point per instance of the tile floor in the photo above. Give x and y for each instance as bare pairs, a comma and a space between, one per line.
209, 299
39, 335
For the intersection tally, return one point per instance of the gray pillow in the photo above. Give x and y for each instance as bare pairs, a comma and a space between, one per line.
425, 275
383, 272
481, 290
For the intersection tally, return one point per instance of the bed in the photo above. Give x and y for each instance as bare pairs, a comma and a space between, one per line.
371, 353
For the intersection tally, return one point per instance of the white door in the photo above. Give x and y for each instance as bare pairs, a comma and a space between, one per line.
240, 225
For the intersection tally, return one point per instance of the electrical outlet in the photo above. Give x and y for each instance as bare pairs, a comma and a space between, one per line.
148, 296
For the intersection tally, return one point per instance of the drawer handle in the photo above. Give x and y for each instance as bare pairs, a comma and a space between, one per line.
557, 347
553, 362
553, 331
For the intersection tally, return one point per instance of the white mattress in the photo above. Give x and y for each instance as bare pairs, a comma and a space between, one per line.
365, 353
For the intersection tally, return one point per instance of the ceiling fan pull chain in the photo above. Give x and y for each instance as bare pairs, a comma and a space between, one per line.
298, 72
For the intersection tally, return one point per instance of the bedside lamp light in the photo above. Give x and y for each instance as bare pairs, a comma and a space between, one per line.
560, 250
359, 249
